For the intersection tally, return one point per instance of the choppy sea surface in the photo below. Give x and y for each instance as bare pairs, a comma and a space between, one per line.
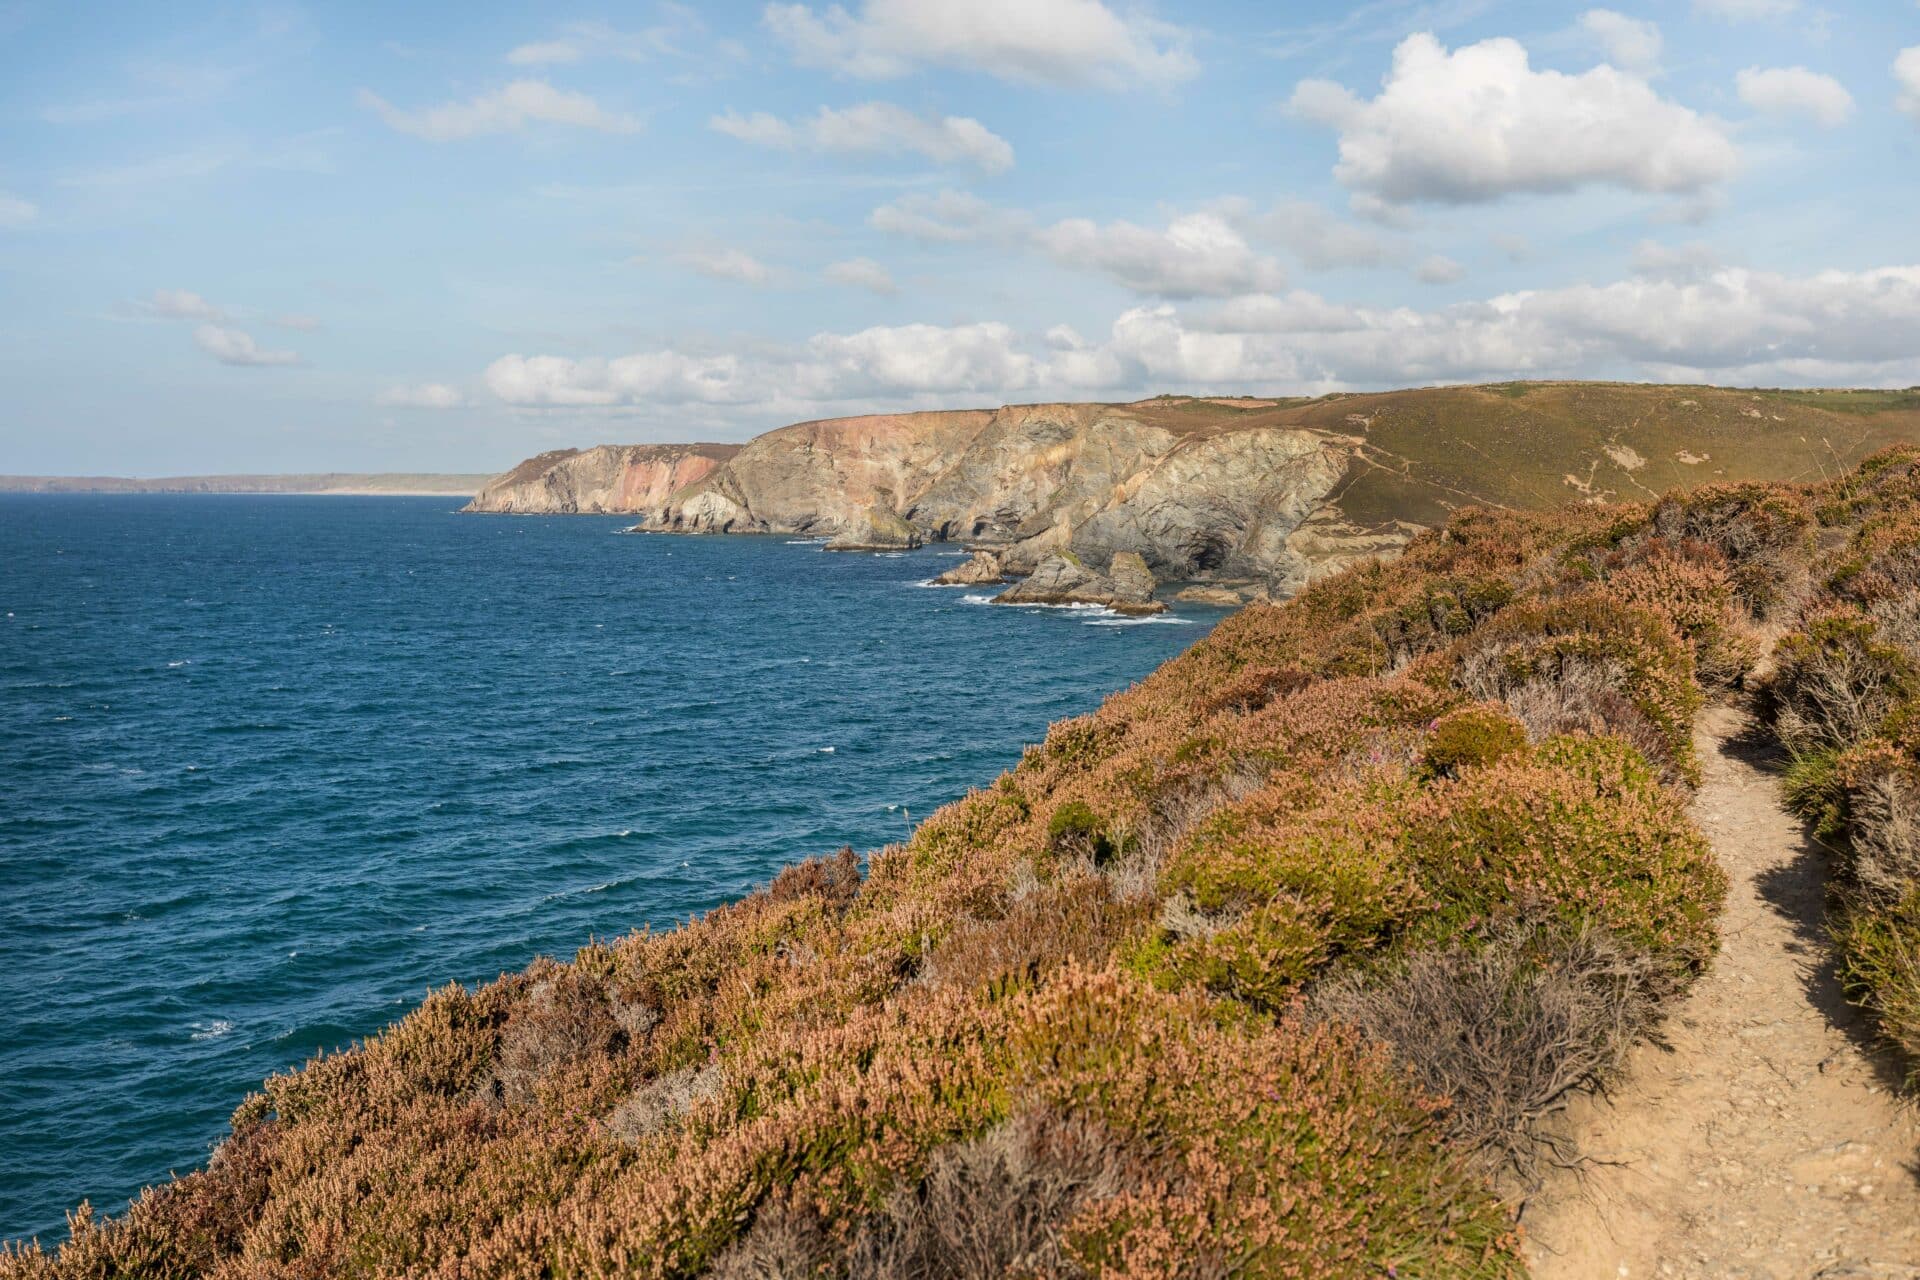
272, 767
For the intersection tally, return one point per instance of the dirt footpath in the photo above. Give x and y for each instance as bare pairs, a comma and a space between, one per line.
1766, 1139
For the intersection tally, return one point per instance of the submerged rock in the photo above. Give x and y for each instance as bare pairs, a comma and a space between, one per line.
1063, 578
880, 529
979, 569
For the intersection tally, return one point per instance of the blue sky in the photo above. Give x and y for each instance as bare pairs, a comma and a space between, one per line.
358, 236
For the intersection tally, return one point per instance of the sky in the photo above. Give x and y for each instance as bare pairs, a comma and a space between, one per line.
358, 236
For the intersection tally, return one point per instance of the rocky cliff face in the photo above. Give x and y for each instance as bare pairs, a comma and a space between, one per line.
610, 479
1031, 481
1253, 496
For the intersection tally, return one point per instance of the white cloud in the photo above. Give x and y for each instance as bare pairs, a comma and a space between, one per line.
876, 127
1320, 240
900, 360
179, 304
1057, 42
505, 110
1746, 10
300, 323
945, 217
1705, 323
579, 41
728, 264
423, 395
862, 273
1195, 255
1906, 71
1439, 269
1632, 43
234, 346
1786, 91
15, 211
1478, 123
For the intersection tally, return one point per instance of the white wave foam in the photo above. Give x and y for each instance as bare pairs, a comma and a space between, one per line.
826, 751
975, 599
212, 1030
1160, 619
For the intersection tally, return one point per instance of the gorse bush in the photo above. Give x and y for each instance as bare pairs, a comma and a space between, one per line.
1264, 969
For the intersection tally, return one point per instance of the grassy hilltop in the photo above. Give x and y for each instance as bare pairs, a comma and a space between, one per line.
1537, 445
1276, 965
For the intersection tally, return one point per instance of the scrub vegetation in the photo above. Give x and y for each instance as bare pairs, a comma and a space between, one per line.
1281, 964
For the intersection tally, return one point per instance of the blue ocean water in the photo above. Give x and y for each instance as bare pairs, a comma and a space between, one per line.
272, 767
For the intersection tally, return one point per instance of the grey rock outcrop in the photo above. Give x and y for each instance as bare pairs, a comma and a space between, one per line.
1063, 578
881, 529
979, 569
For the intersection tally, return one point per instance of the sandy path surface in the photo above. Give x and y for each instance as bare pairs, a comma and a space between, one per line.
1766, 1139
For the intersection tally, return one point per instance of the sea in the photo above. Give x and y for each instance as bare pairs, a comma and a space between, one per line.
273, 767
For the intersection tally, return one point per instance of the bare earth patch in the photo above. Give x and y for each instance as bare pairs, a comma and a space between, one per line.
1766, 1140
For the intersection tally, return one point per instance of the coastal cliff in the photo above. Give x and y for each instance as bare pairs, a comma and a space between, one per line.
608, 479
1252, 497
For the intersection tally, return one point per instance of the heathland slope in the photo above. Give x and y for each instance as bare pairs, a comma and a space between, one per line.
1282, 963
1260, 495
340, 483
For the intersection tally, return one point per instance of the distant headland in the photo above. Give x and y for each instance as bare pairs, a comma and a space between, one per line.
325, 483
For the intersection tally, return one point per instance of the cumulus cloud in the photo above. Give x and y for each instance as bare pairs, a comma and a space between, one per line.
877, 128
736, 265
944, 217
899, 361
1195, 255
1795, 91
422, 395
237, 347
16, 211
862, 273
506, 110
1713, 324
1320, 240
1054, 42
1906, 72
1633, 43
1478, 123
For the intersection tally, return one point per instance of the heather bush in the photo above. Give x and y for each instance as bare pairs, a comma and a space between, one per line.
1580, 829
1845, 699
1594, 640
1472, 735
1506, 1023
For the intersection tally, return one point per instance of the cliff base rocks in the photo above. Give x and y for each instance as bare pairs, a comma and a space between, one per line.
1062, 578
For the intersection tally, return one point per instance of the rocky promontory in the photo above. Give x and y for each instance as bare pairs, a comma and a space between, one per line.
1063, 578
1255, 497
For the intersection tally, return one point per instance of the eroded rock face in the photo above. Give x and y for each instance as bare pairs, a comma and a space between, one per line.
979, 569
1063, 578
611, 479
1033, 481
881, 529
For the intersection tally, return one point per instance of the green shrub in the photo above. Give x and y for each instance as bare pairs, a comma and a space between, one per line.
1474, 735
